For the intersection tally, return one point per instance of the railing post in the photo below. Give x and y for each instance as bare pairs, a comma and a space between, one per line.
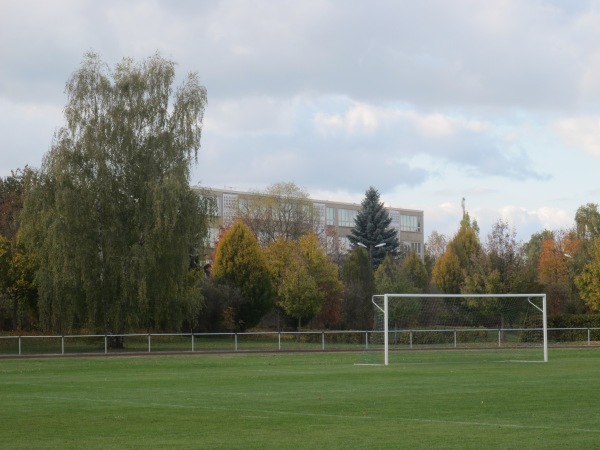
105, 344
366, 340
454, 338
589, 338
149, 343
192, 341
235, 340
62, 344
19, 345
323, 340
410, 336
279, 340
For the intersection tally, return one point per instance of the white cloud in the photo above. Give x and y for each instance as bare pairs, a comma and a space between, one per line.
428, 101
366, 118
580, 132
359, 118
553, 218
253, 115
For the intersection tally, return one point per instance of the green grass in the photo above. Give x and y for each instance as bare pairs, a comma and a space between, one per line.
424, 399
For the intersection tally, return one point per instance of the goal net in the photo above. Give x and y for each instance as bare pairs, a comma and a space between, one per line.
514, 326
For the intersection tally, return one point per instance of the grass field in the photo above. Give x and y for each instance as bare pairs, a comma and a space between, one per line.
424, 399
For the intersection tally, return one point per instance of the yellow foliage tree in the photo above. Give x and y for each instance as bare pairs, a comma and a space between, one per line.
239, 262
588, 281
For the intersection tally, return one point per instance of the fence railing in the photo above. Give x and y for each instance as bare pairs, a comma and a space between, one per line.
268, 341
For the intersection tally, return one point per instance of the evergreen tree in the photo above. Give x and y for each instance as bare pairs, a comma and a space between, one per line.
372, 229
447, 273
359, 286
459, 263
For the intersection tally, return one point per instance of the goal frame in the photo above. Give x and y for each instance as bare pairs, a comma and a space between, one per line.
385, 311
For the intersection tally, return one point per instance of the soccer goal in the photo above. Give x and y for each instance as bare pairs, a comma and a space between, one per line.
513, 323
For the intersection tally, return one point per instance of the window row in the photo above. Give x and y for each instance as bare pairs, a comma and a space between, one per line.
410, 223
229, 205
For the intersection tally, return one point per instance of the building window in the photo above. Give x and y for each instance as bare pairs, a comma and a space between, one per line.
395, 217
414, 247
410, 223
230, 208
213, 238
344, 245
330, 245
211, 203
330, 216
346, 217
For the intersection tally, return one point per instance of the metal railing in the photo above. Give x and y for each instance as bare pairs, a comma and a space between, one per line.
273, 341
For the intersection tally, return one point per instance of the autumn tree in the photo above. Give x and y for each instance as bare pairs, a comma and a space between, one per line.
372, 229
588, 281
587, 222
553, 274
240, 263
306, 282
7, 306
18, 294
532, 250
296, 292
447, 273
558, 262
506, 256
283, 210
12, 189
458, 261
466, 243
434, 249
326, 275
111, 215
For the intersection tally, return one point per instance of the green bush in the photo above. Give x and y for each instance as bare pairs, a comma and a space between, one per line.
573, 321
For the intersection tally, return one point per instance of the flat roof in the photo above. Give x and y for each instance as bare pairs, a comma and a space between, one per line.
356, 205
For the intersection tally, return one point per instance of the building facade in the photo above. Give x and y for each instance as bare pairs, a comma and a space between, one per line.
333, 223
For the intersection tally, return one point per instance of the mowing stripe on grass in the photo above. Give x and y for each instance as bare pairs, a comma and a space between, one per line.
255, 411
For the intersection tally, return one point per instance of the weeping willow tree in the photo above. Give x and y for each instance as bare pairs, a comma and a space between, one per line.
110, 215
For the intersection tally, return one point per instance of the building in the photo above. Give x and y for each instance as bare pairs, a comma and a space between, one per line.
334, 220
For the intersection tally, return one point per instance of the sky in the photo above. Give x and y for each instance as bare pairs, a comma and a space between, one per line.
428, 101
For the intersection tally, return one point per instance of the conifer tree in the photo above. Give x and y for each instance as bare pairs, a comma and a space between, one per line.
372, 229
458, 264
359, 286
240, 263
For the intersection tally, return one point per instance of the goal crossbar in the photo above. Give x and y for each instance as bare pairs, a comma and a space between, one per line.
385, 311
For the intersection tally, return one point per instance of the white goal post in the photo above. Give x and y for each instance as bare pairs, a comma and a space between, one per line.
518, 320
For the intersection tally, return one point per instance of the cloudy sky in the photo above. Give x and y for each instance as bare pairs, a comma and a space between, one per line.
429, 101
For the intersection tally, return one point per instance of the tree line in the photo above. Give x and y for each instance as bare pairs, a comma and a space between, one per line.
107, 236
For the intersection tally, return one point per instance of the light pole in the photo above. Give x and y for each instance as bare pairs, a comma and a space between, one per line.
370, 248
